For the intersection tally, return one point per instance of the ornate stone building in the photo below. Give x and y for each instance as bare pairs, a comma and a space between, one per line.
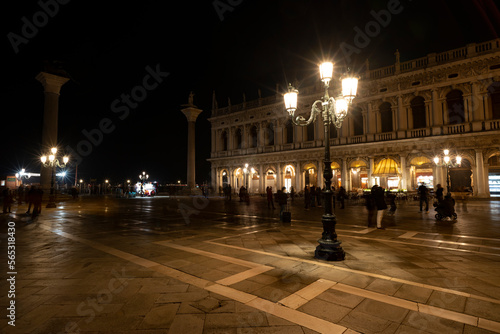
404, 116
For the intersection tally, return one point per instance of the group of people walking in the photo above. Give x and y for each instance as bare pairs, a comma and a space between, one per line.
32, 197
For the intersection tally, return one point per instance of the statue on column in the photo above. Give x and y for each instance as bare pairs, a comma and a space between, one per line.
191, 99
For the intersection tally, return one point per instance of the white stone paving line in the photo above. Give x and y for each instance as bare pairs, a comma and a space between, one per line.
319, 263
296, 317
421, 245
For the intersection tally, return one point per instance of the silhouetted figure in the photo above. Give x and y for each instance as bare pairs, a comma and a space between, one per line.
7, 200
341, 197
282, 200
37, 203
423, 192
439, 193
378, 196
312, 197
31, 198
372, 209
307, 197
270, 202
292, 193
446, 207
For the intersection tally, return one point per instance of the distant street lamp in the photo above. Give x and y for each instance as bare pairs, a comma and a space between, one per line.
245, 174
143, 177
448, 162
52, 163
332, 110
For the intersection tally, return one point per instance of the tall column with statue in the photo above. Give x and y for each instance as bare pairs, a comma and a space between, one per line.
191, 113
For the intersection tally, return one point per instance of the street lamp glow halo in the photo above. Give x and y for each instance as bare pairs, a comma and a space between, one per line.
291, 99
326, 71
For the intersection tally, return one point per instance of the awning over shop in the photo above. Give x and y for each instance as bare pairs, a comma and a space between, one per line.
419, 161
358, 163
386, 167
335, 165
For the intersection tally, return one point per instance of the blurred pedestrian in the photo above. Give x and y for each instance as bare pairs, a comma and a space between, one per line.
439, 193
312, 197
282, 201
30, 198
372, 209
318, 196
7, 200
307, 197
341, 197
37, 203
292, 193
270, 202
423, 192
379, 199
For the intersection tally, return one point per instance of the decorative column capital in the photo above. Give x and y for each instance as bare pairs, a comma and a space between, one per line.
191, 113
51, 83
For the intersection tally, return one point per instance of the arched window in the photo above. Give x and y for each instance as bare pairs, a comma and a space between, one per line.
386, 117
289, 132
238, 138
270, 134
494, 92
310, 132
456, 111
253, 136
418, 112
357, 118
224, 140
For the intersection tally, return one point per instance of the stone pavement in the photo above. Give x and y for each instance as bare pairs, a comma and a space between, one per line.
195, 265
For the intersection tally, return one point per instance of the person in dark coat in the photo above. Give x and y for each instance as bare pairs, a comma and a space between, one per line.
282, 200
270, 202
7, 200
37, 203
423, 192
312, 197
446, 207
341, 197
307, 197
31, 198
372, 209
379, 200
439, 193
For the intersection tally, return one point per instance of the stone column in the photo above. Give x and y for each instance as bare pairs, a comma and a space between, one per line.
191, 113
481, 182
52, 86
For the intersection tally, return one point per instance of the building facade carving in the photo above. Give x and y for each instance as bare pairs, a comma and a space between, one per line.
404, 115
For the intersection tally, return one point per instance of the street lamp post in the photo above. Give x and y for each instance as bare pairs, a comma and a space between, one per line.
143, 177
332, 110
52, 163
447, 162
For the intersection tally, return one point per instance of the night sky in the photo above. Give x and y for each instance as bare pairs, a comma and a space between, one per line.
236, 48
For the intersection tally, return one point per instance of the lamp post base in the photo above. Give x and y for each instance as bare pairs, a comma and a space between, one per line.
52, 202
329, 248
329, 251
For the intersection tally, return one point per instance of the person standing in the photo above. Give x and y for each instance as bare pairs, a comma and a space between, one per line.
282, 200
423, 192
379, 200
7, 200
270, 202
439, 193
341, 197
372, 209
312, 197
292, 192
307, 197
37, 203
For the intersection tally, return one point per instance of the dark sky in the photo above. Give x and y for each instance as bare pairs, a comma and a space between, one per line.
105, 48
